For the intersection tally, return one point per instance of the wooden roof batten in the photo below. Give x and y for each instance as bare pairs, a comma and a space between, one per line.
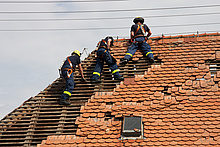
41, 116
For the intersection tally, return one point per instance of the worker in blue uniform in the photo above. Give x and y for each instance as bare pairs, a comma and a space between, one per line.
103, 54
67, 71
139, 40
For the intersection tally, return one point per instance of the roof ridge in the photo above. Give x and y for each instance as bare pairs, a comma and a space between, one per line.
175, 37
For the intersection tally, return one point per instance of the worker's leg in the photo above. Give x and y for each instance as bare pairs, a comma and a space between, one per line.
115, 72
131, 51
69, 85
147, 51
98, 69
112, 65
69, 88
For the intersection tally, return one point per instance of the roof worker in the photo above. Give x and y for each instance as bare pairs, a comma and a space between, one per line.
67, 71
139, 40
103, 54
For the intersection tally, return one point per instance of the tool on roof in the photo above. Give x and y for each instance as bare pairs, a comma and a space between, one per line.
85, 50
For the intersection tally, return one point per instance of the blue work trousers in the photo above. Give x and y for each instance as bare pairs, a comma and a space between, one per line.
105, 56
139, 42
69, 85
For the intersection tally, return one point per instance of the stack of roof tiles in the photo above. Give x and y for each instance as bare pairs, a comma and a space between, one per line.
178, 99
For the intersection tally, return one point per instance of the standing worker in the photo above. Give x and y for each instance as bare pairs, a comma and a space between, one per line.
67, 70
139, 39
103, 54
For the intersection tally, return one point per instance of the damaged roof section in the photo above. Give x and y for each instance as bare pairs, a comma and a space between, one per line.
41, 115
178, 99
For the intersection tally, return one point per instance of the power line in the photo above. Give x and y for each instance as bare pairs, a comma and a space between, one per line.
109, 18
115, 28
85, 1
117, 10
79, 29
183, 25
177, 15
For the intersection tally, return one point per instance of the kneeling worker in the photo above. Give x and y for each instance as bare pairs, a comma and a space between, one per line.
103, 54
67, 70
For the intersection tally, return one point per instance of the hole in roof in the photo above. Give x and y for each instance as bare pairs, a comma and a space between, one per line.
188, 67
165, 90
139, 101
109, 103
214, 66
108, 116
118, 119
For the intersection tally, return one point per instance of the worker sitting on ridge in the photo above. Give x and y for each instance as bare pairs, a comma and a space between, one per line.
139, 39
103, 54
67, 70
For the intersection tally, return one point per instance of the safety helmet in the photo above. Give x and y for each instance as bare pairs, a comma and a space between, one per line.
138, 19
110, 37
76, 52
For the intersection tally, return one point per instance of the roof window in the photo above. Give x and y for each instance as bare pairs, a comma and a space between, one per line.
132, 128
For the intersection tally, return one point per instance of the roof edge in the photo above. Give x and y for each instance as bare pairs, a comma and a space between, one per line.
174, 37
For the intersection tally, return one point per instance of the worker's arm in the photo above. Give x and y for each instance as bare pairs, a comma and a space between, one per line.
81, 71
109, 43
132, 35
149, 33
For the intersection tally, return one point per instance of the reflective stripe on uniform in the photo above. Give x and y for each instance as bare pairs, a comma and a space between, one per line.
117, 70
96, 73
67, 92
70, 71
128, 54
149, 53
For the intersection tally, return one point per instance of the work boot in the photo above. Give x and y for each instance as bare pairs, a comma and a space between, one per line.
96, 81
64, 102
124, 61
151, 59
119, 78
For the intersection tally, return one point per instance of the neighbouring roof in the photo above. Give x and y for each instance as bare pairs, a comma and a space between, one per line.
177, 98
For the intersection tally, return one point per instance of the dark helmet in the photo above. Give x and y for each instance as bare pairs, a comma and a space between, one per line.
110, 37
138, 19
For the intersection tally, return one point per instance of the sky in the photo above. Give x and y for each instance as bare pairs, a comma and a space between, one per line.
35, 38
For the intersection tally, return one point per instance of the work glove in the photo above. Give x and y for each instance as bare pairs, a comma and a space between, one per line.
83, 80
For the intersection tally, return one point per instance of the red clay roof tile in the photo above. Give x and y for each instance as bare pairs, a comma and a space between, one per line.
175, 115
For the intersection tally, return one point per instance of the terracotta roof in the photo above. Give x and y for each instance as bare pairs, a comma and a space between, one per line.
178, 97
